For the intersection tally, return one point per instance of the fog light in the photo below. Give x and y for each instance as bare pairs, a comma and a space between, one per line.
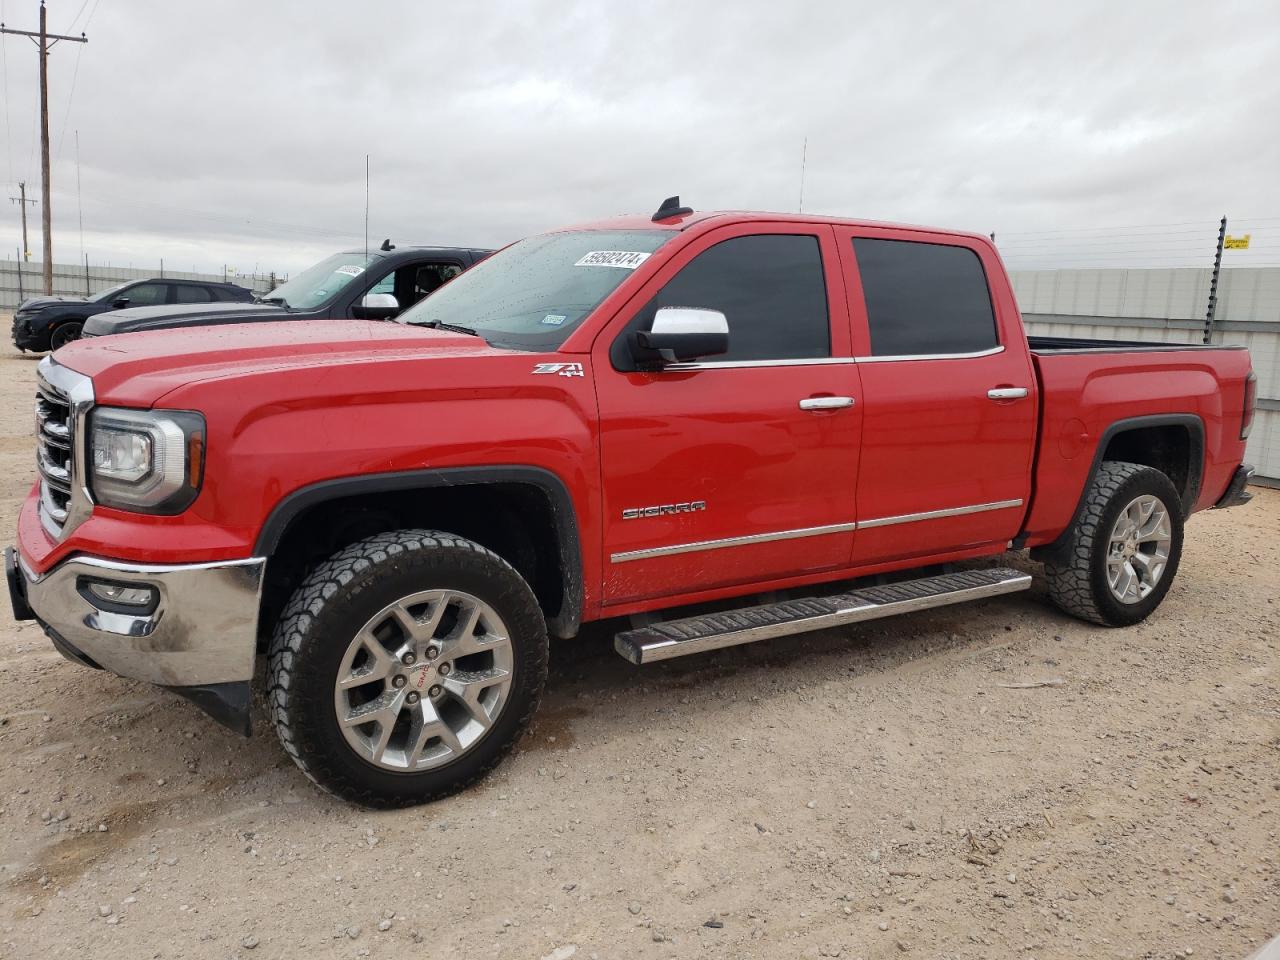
119, 593
111, 593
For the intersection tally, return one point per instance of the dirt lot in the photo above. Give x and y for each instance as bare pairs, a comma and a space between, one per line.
882, 791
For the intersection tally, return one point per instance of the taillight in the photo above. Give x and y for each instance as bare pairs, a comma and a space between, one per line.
1250, 402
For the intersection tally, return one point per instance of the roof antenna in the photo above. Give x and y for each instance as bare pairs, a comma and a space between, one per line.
669, 208
366, 208
387, 245
804, 157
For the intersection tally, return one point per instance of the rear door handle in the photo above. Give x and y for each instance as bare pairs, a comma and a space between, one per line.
1006, 393
825, 403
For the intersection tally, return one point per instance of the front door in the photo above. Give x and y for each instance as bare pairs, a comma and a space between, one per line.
727, 471
949, 412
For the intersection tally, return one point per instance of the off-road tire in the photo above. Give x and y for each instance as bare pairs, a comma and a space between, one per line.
1077, 575
64, 333
335, 600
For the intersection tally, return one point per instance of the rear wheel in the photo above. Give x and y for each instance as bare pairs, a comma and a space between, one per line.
64, 333
1124, 547
405, 667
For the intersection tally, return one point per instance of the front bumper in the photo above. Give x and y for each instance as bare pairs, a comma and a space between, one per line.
24, 338
199, 637
1236, 493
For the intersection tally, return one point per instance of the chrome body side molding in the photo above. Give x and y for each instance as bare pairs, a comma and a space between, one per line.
730, 542
699, 545
937, 514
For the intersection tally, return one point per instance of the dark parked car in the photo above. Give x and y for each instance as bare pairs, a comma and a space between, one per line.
46, 323
373, 285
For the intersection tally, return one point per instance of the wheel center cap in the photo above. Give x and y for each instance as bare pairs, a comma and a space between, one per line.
420, 677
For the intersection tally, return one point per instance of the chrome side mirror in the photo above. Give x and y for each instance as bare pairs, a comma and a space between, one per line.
683, 333
376, 306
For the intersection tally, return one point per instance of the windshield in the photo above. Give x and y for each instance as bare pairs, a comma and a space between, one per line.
319, 284
108, 293
533, 293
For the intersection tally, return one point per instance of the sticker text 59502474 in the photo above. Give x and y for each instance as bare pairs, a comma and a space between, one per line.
612, 258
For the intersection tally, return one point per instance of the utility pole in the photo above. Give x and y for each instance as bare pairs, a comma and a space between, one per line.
22, 201
45, 41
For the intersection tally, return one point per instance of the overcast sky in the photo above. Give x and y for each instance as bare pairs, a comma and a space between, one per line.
236, 132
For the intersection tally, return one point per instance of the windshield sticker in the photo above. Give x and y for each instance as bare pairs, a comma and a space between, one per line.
554, 319
612, 258
350, 271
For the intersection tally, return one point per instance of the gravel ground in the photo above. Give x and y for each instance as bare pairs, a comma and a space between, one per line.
881, 791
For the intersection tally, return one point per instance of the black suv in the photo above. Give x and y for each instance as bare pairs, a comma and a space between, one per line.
373, 285
46, 323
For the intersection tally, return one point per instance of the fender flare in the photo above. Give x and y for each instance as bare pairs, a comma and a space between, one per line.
563, 623
1195, 466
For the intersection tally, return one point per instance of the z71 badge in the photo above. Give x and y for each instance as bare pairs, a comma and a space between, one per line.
564, 369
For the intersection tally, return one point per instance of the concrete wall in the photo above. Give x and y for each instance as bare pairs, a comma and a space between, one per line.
1168, 306
69, 280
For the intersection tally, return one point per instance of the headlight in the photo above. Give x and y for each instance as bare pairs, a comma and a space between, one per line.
146, 460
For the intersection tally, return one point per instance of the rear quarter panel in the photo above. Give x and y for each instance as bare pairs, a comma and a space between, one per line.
1084, 393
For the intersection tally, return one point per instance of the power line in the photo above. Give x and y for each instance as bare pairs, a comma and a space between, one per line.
72, 25
1131, 226
75, 73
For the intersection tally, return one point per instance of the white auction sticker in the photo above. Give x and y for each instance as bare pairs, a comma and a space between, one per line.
612, 258
350, 271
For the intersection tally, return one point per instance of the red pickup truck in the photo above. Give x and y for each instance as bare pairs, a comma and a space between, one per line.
606, 421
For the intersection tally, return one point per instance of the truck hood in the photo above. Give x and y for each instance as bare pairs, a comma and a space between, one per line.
139, 370
133, 319
38, 303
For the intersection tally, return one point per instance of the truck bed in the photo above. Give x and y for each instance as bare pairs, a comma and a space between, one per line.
1090, 387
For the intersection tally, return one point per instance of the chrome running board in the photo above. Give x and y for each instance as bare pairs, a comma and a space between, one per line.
679, 638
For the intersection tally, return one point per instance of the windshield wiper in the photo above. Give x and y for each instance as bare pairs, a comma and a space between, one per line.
452, 327
278, 300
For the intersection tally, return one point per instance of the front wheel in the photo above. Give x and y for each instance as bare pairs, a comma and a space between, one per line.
64, 333
405, 667
1124, 548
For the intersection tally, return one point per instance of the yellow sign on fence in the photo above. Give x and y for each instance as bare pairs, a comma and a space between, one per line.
1237, 243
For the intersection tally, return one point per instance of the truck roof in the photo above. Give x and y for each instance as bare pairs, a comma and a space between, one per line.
402, 249
727, 217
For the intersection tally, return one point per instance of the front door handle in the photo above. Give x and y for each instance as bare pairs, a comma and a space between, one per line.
825, 403
1006, 393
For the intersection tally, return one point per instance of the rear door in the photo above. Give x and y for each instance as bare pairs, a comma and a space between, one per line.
726, 472
949, 412
191, 293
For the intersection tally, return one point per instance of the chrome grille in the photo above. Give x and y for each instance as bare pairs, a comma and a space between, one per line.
63, 399
53, 451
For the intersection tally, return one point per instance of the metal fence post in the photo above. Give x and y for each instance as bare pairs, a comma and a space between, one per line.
1213, 283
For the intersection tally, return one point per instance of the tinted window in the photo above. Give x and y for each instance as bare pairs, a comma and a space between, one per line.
924, 298
146, 294
386, 285
186, 294
769, 287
